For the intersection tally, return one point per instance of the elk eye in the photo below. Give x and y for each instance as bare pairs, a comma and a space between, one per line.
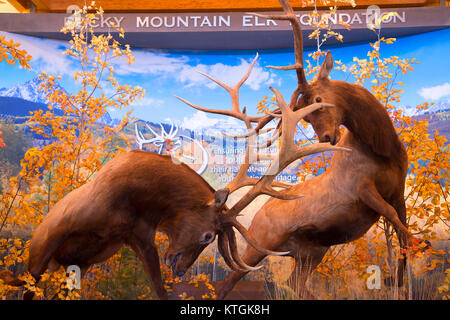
318, 99
208, 237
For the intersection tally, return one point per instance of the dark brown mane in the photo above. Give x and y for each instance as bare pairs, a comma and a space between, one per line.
179, 182
369, 121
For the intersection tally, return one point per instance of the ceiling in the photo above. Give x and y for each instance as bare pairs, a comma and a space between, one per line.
188, 5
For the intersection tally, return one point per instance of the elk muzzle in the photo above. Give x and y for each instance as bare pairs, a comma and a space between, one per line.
330, 136
171, 260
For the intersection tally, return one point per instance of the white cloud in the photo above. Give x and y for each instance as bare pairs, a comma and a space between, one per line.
48, 53
148, 102
436, 92
178, 68
198, 121
149, 62
227, 74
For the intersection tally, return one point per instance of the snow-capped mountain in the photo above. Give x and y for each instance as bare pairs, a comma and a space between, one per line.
200, 123
227, 126
28, 91
215, 128
441, 106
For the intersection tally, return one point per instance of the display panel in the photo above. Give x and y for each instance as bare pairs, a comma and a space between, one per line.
70, 110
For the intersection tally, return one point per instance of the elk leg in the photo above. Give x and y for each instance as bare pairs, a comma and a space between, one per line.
400, 207
369, 195
304, 266
148, 254
251, 257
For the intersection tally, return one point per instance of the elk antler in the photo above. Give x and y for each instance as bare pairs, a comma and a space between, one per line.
289, 15
241, 179
234, 94
289, 152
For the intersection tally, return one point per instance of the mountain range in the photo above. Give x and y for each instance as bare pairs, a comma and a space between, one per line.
441, 106
29, 91
19, 100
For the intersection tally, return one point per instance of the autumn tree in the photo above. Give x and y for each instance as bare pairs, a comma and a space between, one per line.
10, 52
76, 144
10, 156
427, 185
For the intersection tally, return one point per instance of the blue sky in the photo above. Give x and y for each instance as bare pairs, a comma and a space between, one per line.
164, 74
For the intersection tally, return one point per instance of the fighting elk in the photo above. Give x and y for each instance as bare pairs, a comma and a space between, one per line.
138, 193
360, 186
133, 196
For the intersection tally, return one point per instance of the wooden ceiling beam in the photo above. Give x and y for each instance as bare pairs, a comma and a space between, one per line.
20, 5
42, 5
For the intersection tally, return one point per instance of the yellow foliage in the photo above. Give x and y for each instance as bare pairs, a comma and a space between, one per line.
427, 184
10, 52
78, 145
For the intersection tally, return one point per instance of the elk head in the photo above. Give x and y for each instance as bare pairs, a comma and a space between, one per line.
191, 230
327, 119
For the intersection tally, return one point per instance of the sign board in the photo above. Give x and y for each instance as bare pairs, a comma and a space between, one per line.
228, 30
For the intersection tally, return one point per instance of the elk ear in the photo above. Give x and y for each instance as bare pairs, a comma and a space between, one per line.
220, 197
326, 67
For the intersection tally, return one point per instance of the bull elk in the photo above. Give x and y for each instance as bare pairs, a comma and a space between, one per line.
134, 195
138, 193
340, 205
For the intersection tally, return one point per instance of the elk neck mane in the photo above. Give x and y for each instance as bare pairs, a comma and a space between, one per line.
174, 187
369, 122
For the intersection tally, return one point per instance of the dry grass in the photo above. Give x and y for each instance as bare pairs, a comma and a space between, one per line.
348, 284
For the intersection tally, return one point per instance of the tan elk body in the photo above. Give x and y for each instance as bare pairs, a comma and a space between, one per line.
360, 186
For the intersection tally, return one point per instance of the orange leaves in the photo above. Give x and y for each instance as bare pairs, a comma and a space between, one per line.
208, 259
322, 23
204, 280
76, 144
2, 143
264, 106
9, 51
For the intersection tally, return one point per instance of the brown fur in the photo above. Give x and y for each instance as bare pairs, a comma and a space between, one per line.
340, 205
363, 115
131, 197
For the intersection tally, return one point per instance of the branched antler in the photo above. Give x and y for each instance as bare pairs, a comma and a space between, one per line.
234, 94
288, 152
290, 15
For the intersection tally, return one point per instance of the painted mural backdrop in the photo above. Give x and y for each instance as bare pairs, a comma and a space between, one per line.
411, 74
